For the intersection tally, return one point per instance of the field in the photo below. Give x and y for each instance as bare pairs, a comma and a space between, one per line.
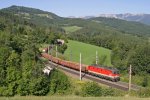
88, 53
70, 29
69, 98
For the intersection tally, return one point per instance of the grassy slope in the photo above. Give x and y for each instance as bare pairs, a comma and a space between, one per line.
70, 29
88, 52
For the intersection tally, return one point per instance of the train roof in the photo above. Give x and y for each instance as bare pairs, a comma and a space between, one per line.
105, 67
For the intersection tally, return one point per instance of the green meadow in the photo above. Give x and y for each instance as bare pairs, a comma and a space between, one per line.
70, 29
88, 53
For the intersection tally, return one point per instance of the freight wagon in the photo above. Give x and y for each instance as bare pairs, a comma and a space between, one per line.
102, 72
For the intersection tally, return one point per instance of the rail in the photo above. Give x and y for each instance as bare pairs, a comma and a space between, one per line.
119, 85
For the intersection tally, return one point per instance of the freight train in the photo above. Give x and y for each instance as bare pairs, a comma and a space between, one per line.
108, 73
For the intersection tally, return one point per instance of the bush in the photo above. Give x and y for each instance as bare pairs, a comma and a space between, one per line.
145, 82
59, 82
91, 89
77, 93
62, 48
9, 90
39, 86
2, 91
108, 92
23, 88
144, 92
6, 91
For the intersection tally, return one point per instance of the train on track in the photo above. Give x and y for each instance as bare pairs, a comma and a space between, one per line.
108, 73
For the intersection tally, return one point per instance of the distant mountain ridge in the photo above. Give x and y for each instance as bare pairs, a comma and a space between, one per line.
89, 24
142, 18
26, 10
36, 16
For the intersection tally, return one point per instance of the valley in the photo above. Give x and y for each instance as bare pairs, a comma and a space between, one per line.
23, 30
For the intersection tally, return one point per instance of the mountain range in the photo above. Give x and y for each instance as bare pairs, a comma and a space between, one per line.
142, 18
104, 22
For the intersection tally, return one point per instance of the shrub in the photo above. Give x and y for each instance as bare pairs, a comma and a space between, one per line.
91, 89
108, 92
144, 92
39, 86
59, 82
23, 88
145, 82
77, 92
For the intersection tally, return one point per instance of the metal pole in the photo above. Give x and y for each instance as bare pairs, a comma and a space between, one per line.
80, 67
96, 58
56, 50
130, 73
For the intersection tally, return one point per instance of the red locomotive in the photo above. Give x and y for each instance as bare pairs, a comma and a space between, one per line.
102, 72
108, 73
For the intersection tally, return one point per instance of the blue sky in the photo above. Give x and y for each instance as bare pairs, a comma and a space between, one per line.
79, 8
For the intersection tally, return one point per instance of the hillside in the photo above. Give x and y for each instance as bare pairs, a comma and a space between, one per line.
44, 18
124, 38
23, 30
36, 16
142, 18
124, 26
20, 66
88, 53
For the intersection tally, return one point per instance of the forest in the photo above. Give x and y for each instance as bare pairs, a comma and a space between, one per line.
20, 68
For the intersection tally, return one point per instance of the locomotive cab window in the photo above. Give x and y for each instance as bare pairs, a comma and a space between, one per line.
115, 72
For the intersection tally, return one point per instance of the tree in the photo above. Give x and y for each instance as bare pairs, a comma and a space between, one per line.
13, 60
24, 87
2, 26
4, 54
59, 82
62, 48
140, 60
39, 86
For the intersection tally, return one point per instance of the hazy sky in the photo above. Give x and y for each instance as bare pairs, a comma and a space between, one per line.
78, 8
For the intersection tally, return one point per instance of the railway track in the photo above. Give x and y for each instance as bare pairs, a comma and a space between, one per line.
119, 85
